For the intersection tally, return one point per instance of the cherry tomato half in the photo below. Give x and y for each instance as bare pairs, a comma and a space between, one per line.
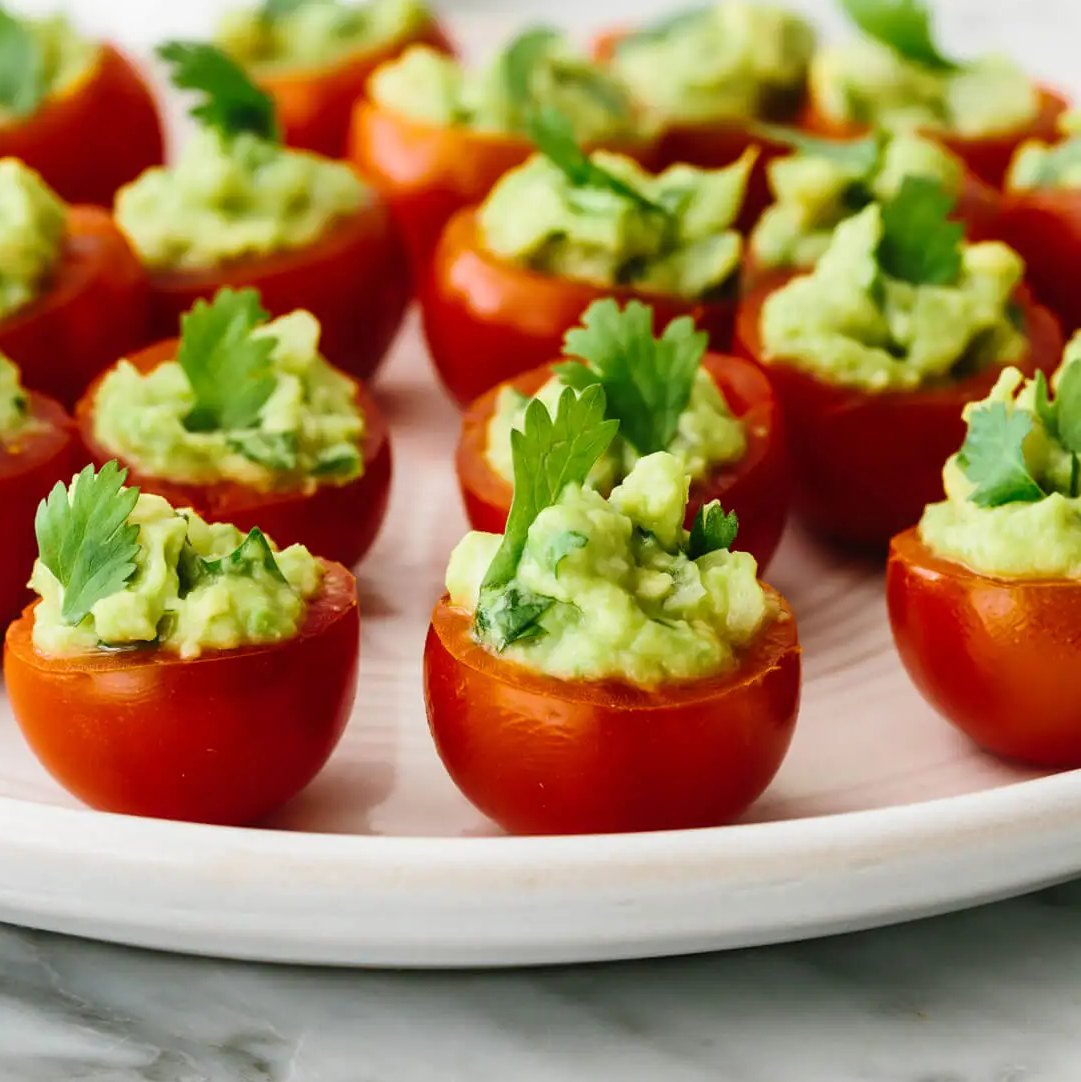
30, 464
755, 487
313, 104
545, 756
94, 138
487, 320
999, 658
864, 465
339, 522
355, 281
94, 311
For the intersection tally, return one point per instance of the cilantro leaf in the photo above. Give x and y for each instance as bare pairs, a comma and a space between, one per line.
274, 450
228, 369
232, 103
919, 242
253, 553
86, 541
992, 457
861, 155
712, 530
562, 545
278, 9
523, 56
647, 381
902, 25
22, 67
512, 614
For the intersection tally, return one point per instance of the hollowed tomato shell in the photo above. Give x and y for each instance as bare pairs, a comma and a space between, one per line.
223, 738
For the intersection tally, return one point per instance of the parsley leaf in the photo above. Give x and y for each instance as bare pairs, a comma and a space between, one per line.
902, 25
253, 553
712, 530
512, 614
87, 542
523, 56
228, 369
992, 456
22, 67
919, 242
232, 103
647, 381
861, 155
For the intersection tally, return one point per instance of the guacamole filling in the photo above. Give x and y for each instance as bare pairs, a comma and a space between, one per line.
317, 33
670, 233
1039, 165
728, 61
245, 401
898, 301
119, 569
1013, 491
33, 220
824, 183
15, 419
537, 70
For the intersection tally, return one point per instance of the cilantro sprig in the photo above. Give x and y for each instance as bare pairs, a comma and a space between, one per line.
647, 381
232, 103
712, 530
253, 553
903, 26
523, 57
22, 67
920, 244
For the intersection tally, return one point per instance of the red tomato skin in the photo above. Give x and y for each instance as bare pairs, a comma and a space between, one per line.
487, 320
223, 738
29, 467
999, 658
544, 756
313, 106
355, 281
93, 140
339, 522
756, 487
863, 466
94, 311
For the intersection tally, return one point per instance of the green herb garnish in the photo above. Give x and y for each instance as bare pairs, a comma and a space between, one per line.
522, 59
712, 530
919, 242
993, 458
253, 553
903, 26
863, 156
274, 450
23, 85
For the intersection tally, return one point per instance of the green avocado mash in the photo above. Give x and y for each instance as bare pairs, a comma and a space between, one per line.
865, 82
316, 33
853, 324
683, 244
425, 85
626, 601
1038, 165
59, 58
730, 60
816, 192
230, 198
15, 416
1009, 521
33, 219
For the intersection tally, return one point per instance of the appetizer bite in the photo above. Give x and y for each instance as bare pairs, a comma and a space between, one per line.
896, 77
985, 593
512, 276
434, 136
245, 421
314, 57
173, 668
73, 109
874, 352
73, 295
715, 415
598, 668
239, 209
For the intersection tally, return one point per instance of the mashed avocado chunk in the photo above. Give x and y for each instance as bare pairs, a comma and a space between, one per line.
728, 61
231, 198
317, 33
1038, 165
33, 219
669, 233
15, 416
56, 58
1013, 491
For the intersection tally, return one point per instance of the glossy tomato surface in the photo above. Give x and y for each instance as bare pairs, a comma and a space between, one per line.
94, 138
355, 281
755, 487
30, 464
864, 465
488, 321
223, 738
544, 756
999, 658
313, 105
94, 311
338, 522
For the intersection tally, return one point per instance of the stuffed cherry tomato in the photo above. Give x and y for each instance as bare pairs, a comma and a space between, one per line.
434, 137
75, 110
213, 691
873, 354
510, 278
73, 296
238, 209
307, 458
